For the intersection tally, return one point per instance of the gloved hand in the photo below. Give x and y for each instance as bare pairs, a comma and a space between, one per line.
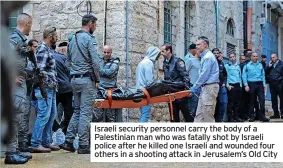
195, 91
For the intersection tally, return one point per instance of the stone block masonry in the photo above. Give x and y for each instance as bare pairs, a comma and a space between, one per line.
146, 28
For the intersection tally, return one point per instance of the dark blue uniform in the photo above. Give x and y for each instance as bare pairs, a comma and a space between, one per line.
175, 71
254, 77
222, 98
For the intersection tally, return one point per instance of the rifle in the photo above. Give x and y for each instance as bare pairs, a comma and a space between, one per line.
38, 77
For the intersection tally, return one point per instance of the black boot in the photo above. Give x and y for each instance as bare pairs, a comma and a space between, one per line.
83, 149
275, 117
68, 146
14, 158
264, 119
237, 119
23, 147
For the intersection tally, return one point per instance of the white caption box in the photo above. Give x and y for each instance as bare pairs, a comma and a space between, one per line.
186, 142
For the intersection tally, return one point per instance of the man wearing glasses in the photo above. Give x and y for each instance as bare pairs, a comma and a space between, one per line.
41, 135
254, 83
84, 70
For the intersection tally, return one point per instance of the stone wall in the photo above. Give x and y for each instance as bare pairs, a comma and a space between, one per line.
203, 23
146, 28
256, 28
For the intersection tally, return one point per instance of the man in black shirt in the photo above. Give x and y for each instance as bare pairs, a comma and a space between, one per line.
222, 99
274, 73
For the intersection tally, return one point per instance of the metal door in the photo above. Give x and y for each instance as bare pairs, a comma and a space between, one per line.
269, 44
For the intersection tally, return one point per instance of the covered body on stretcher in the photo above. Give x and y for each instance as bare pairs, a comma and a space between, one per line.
157, 92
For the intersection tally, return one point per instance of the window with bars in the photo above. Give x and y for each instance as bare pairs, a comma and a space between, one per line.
187, 22
231, 49
167, 22
230, 27
13, 20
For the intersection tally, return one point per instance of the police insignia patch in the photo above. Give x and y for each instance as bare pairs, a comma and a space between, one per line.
181, 63
116, 61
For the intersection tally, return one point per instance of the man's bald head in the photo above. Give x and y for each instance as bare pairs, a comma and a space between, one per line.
24, 23
107, 47
274, 58
107, 50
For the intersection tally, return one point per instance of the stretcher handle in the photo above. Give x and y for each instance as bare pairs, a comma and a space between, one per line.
109, 95
147, 96
171, 106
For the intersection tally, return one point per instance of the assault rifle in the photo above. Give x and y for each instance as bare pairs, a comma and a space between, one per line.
37, 76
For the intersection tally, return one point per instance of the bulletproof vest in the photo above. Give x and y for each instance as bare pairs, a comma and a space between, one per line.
108, 81
19, 45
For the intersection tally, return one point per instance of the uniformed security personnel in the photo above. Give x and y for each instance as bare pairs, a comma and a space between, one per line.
109, 67
175, 71
222, 98
83, 59
245, 96
18, 43
234, 86
254, 82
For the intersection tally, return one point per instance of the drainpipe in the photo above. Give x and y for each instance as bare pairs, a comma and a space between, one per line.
105, 20
249, 24
127, 51
245, 24
216, 4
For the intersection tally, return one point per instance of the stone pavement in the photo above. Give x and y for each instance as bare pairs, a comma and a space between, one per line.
72, 160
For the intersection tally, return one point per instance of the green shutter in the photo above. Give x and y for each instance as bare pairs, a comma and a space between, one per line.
13, 20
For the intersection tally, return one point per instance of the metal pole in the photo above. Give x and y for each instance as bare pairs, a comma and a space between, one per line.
217, 22
127, 52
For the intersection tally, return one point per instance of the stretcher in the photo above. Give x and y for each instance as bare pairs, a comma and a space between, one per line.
137, 103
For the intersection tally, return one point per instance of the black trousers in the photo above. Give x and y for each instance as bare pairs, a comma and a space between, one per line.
244, 103
66, 100
244, 110
183, 106
256, 91
276, 89
234, 101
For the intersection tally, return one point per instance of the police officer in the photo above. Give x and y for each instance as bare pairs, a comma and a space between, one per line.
109, 67
254, 82
222, 99
234, 86
24, 135
244, 100
245, 95
84, 59
18, 43
263, 61
175, 71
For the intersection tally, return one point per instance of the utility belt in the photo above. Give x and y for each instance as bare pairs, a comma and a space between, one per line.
234, 84
256, 82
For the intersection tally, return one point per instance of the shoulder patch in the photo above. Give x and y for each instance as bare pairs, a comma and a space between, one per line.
181, 63
116, 61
